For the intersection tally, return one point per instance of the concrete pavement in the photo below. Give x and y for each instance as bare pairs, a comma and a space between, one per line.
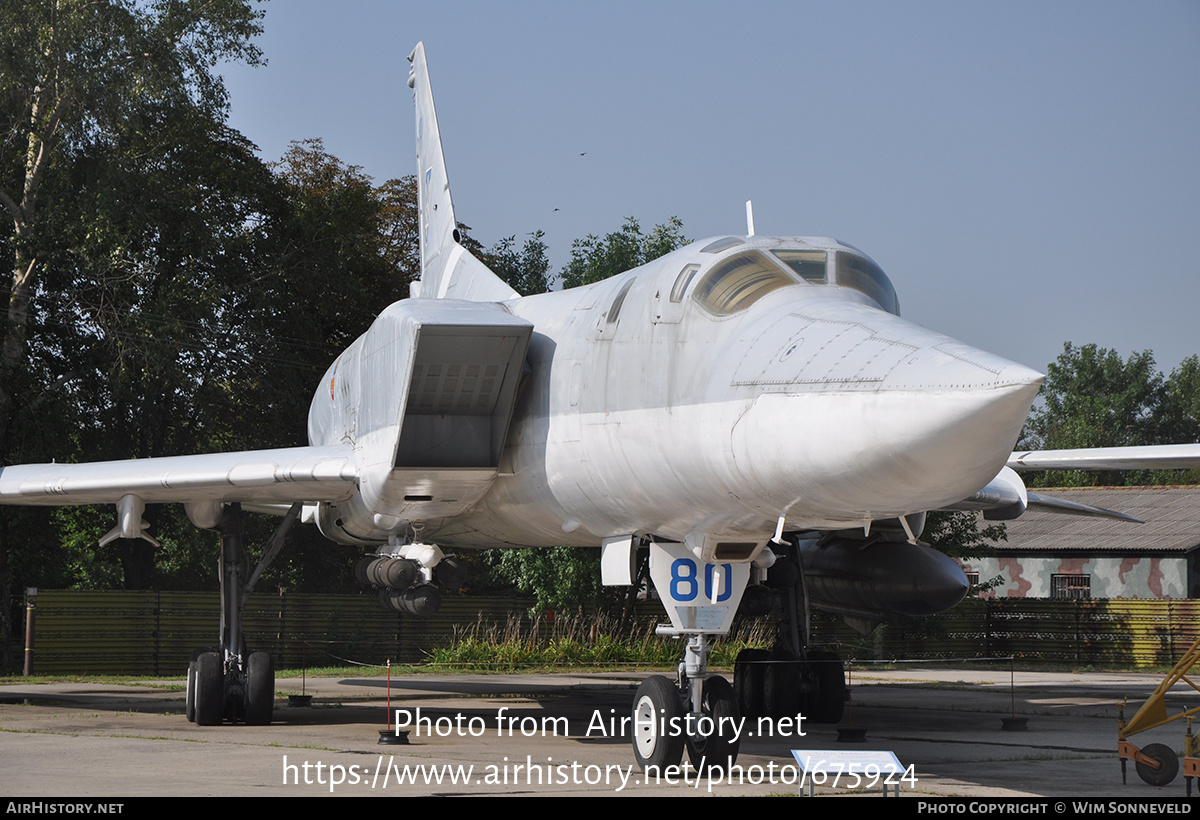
543, 734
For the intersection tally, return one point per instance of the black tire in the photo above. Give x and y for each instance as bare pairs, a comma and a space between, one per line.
260, 689
393, 573
210, 689
781, 686
749, 678
1168, 765
830, 700
718, 751
189, 698
657, 724
421, 601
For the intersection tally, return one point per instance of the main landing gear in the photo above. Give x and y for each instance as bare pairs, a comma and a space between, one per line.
228, 682
791, 678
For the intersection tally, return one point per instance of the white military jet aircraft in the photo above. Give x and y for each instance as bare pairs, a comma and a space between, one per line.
751, 408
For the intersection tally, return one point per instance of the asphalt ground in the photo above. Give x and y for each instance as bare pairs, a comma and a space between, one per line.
552, 734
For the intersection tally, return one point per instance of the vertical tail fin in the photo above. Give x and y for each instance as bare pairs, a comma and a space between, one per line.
448, 270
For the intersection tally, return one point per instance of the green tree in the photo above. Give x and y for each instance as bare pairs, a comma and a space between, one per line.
341, 250
562, 578
84, 89
527, 271
1178, 418
1094, 398
142, 304
958, 534
77, 75
594, 259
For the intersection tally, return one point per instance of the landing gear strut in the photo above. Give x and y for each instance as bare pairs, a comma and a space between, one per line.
230, 683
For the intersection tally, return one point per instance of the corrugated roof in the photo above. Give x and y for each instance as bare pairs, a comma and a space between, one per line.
1172, 516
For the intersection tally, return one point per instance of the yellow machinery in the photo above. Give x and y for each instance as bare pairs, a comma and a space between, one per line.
1157, 763
1191, 761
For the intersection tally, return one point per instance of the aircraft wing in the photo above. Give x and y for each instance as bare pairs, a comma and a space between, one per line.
1005, 496
1047, 503
1149, 457
306, 474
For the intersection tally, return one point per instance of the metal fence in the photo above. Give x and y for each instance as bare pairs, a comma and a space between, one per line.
154, 633
1079, 632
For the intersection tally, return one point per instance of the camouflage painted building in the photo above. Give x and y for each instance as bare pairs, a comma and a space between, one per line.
1067, 556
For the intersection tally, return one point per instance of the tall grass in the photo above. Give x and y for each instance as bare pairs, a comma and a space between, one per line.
581, 640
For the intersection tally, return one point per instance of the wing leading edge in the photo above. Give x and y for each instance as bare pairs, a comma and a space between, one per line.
283, 476
1005, 497
1149, 457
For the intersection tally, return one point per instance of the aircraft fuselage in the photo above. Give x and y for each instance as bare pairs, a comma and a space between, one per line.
661, 402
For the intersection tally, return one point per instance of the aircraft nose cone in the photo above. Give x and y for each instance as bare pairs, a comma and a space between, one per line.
954, 415
901, 419
957, 395
953, 366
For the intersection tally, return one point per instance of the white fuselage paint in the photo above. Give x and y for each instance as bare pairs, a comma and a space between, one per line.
812, 404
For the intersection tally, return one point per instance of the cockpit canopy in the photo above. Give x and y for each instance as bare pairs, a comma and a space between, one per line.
735, 283
865, 276
738, 282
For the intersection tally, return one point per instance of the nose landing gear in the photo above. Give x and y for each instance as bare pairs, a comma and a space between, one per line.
699, 714
698, 711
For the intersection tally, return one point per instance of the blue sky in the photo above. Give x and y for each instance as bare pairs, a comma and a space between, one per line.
1026, 173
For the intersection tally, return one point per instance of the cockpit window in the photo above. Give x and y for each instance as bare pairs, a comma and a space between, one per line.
863, 275
682, 281
739, 282
809, 264
721, 244
614, 312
